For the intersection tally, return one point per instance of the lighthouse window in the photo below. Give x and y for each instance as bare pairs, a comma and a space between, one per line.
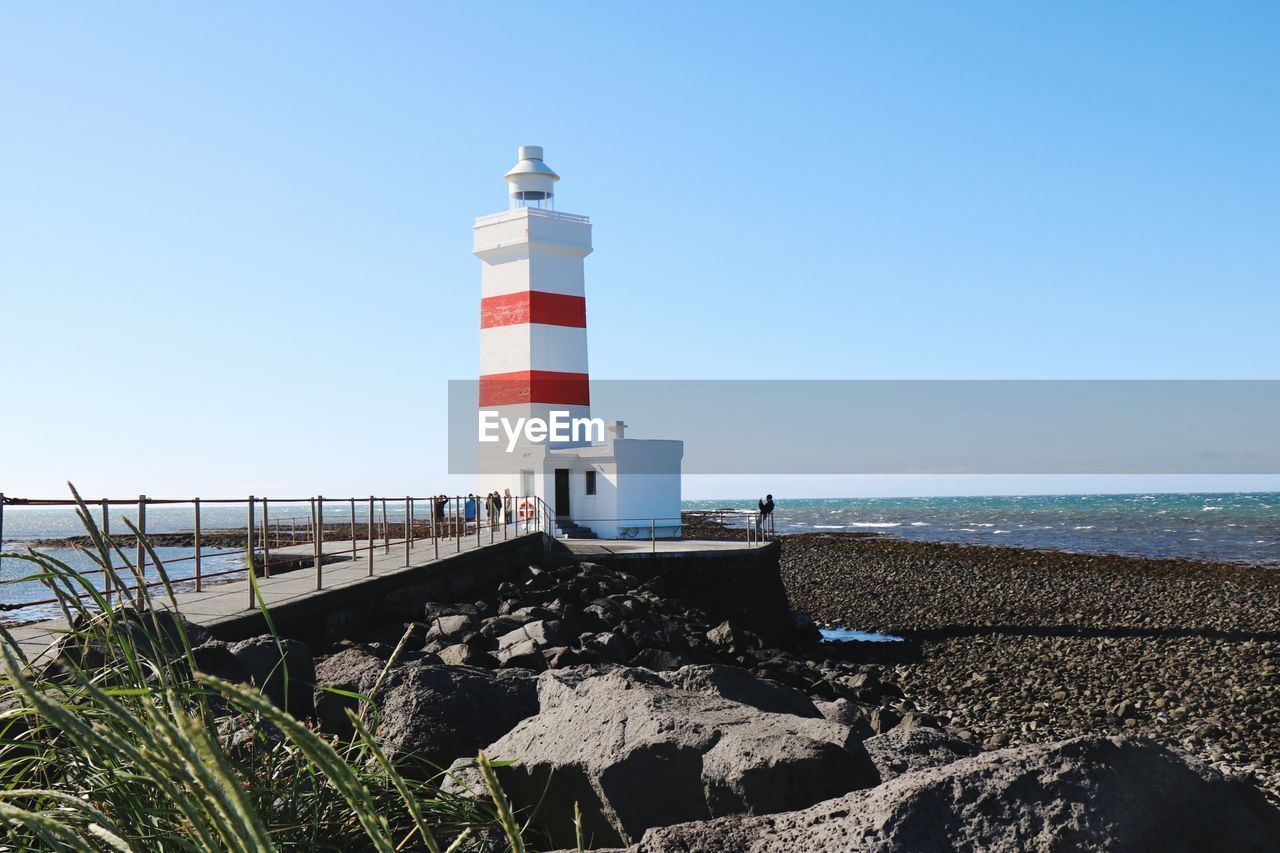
591, 482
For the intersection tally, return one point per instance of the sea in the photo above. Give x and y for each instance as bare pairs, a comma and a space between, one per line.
1239, 527
1231, 527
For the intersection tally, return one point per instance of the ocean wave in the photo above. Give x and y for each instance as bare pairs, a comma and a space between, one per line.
1083, 527
875, 524
919, 524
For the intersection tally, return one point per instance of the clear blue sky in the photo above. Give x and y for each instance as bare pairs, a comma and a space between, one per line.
234, 238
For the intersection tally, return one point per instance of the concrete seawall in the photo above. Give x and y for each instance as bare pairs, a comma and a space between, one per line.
735, 583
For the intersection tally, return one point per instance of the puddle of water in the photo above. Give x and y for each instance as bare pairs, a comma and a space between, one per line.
845, 635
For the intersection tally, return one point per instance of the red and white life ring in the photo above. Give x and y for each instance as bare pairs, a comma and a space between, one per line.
525, 510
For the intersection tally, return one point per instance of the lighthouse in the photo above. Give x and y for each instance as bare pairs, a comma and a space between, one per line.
533, 305
533, 368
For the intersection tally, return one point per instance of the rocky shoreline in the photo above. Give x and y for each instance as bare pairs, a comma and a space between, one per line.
675, 721
1016, 646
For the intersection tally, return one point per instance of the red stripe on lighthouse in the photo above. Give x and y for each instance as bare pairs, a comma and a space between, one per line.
535, 386
533, 306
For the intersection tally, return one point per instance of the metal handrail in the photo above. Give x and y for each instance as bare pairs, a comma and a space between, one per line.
450, 517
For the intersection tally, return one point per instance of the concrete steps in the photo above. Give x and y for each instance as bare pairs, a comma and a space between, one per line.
571, 530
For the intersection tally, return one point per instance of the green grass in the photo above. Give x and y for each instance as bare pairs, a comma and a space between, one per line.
120, 744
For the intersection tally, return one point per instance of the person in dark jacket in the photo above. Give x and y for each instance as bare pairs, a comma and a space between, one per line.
765, 522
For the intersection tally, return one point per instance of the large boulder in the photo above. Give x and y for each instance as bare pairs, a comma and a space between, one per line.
350, 671
282, 669
907, 749
637, 753
1089, 793
441, 713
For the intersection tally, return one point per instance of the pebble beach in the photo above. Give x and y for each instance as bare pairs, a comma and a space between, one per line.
1015, 646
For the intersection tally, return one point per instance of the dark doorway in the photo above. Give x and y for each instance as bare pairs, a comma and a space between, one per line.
562, 493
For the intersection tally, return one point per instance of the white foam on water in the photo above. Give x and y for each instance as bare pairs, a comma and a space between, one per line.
875, 524
828, 527
919, 524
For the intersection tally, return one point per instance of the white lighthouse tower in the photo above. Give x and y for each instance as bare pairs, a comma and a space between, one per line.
533, 364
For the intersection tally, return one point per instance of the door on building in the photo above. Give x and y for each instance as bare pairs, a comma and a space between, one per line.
526, 484
562, 493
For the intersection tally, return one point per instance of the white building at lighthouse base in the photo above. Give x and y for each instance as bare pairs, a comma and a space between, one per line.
623, 488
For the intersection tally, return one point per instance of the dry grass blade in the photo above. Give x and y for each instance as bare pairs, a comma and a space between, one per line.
506, 817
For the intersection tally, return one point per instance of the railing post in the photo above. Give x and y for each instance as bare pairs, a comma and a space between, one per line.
196, 542
435, 534
653, 534
319, 541
408, 529
459, 526
354, 549
266, 542
106, 537
142, 551
249, 553
386, 533
371, 540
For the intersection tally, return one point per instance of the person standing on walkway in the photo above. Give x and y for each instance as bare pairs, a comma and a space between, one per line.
764, 523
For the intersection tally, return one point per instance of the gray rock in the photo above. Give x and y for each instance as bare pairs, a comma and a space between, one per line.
846, 713
215, 658
721, 635
636, 753
530, 614
446, 630
350, 670
545, 632
440, 713
461, 654
1090, 793
883, 719
904, 750
286, 679
609, 646
525, 654
496, 626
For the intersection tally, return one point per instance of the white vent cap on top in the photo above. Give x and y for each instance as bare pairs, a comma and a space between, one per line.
530, 179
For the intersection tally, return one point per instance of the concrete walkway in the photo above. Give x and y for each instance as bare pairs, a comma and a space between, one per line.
222, 602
